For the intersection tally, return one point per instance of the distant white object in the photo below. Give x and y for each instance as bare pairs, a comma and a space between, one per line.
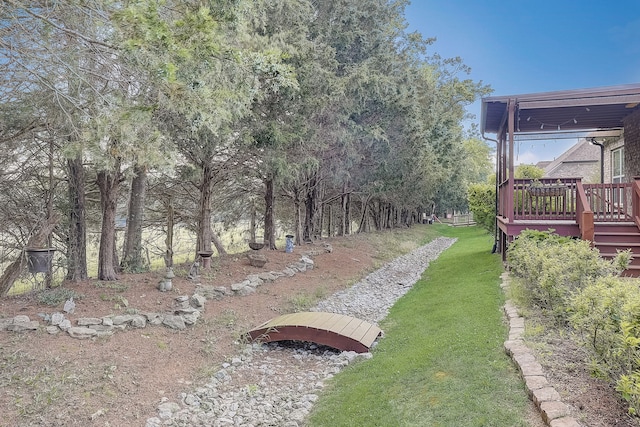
69, 306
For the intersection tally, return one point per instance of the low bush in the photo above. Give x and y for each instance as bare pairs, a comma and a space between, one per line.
57, 296
551, 267
606, 317
482, 202
568, 280
598, 312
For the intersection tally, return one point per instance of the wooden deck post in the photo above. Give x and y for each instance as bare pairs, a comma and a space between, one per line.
635, 200
511, 131
588, 231
584, 214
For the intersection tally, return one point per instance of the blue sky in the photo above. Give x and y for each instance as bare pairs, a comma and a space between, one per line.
520, 47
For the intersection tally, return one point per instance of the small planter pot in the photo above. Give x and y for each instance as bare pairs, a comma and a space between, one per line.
256, 246
39, 259
547, 190
206, 259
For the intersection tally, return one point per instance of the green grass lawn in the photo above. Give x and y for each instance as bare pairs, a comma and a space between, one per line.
441, 362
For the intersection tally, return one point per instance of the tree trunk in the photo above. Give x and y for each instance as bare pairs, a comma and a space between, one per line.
11, 274
13, 271
363, 216
345, 225
320, 207
108, 182
168, 257
269, 221
347, 213
297, 216
205, 233
132, 259
252, 223
310, 203
77, 244
218, 244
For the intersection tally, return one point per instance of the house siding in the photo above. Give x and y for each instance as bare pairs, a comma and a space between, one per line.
607, 159
632, 145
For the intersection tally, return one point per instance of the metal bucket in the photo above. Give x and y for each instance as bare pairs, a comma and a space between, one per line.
39, 260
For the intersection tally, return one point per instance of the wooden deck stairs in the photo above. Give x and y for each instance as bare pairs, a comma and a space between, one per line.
610, 237
334, 330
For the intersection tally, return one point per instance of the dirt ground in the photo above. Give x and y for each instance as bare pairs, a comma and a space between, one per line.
55, 380
595, 402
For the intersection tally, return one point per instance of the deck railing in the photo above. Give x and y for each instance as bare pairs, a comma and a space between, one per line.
546, 199
610, 202
559, 199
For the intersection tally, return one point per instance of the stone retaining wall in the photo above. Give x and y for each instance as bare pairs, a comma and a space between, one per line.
186, 309
553, 411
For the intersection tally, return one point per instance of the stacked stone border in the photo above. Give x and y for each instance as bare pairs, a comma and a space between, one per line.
554, 412
185, 312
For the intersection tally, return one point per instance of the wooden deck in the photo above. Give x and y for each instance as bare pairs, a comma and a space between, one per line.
334, 330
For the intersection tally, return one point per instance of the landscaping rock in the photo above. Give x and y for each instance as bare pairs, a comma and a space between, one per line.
267, 277
174, 322
308, 262
65, 325
191, 318
57, 318
103, 328
122, 320
565, 422
69, 306
52, 330
198, 301
247, 290
165, 410
154, 318
257, 260
138, 321
22, 325
545, 394
89, 321
289, 272
4, 323
553, 410
80, 332
237, 287
212, 292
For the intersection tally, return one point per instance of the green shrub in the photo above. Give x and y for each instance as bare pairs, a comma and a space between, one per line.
482, 202
629, 387
597, 312
569, 281
552, 267
606, 316
56, 296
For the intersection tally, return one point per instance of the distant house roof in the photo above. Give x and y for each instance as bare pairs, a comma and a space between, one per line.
543, 163
579, 161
